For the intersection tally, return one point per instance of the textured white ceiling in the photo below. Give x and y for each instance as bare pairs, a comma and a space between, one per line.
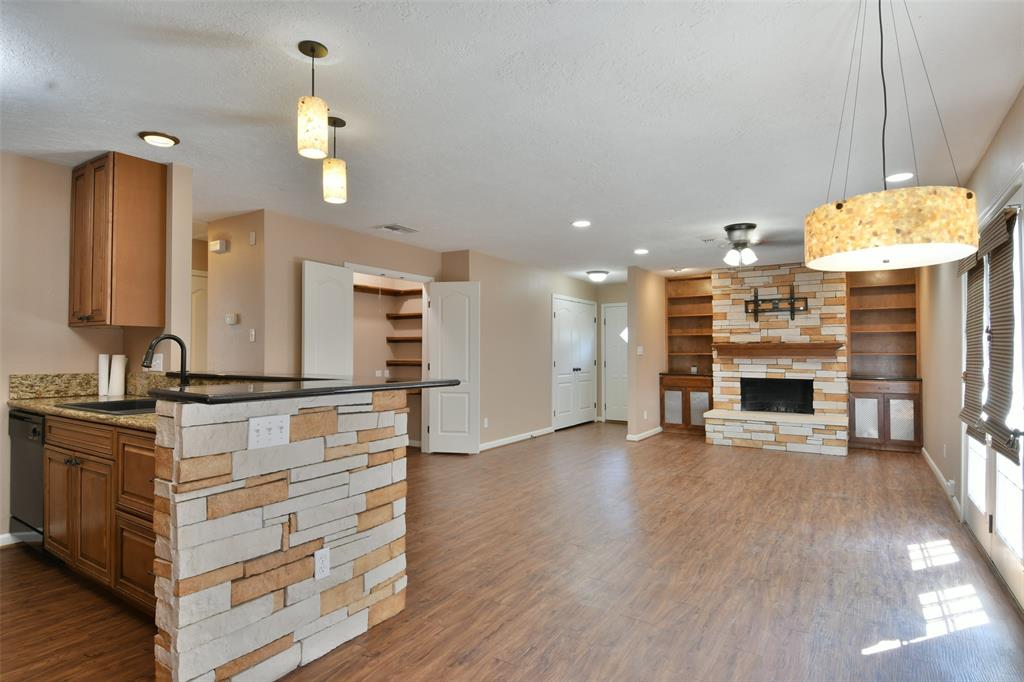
492, 126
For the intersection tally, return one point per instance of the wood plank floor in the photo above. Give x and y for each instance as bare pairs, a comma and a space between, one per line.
580, 556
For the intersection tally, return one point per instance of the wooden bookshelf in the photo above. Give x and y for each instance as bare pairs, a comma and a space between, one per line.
882, 324
689, 324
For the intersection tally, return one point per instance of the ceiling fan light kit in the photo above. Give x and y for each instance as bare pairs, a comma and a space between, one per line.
740, 236
891, 229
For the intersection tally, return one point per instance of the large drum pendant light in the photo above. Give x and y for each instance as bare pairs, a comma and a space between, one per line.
335, 172
904, 227
312, 111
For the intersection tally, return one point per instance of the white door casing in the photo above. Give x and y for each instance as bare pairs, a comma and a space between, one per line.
197, 338
574, 361
327, 319
451, 339
615, 382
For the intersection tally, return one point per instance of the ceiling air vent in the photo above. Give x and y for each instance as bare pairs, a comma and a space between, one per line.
396, 228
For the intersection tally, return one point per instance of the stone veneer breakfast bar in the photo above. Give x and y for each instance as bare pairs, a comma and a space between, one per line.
237, 526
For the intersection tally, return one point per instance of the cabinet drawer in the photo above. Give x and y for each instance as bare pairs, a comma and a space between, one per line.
80, 436
133, 564
884, 386
135, 472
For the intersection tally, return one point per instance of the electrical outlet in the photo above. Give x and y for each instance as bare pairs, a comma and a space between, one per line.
378, 373
265, 432
321, 563
640, 351
252, 336
487, 422
645, 414
387, 373
158, 363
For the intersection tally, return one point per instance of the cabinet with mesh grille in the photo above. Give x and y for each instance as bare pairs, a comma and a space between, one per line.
885, 415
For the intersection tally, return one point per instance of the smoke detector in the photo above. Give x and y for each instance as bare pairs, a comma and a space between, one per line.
395, 228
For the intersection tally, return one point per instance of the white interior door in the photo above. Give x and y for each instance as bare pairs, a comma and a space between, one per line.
616, 385
451, 339
327, 319
574, 364
197, 338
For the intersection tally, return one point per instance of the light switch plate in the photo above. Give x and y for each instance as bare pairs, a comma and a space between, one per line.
321, 563
265, 432
252, 336
639, 350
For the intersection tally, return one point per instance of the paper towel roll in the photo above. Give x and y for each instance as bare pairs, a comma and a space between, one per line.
103, 371
118, 363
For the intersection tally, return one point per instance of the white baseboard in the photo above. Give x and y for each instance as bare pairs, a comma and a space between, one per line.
415, 443
646, 434
8, 539
515, 439
942, 481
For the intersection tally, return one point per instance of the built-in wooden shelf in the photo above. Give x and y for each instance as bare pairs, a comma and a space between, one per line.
690, 315
887, 352
405, 339
698, 333
385, 291
405, 316
882, 329
688, 323
775, 349
880, 305
404, 363
882, 317
671, 354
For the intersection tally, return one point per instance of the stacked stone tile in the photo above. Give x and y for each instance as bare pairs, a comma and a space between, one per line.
825, 432
237, 529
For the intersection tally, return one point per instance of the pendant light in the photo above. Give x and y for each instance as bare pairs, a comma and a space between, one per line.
312, 111
906, 227
335, 171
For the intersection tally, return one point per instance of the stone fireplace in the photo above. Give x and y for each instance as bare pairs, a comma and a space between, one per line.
779, 383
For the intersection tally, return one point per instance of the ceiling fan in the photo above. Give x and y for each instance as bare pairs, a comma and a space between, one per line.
739, 239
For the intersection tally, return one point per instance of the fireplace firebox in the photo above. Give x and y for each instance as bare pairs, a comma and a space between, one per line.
777, 395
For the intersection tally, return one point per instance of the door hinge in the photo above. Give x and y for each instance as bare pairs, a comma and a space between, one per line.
428, 366
595, 406
428, 428
554, 364
554, 314
428, 304
605, 363
595, 362
595, 320
553, 413
989, 523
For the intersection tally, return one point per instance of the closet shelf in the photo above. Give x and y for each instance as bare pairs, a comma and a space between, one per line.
404, 363
385, 291
405, 339
405, 316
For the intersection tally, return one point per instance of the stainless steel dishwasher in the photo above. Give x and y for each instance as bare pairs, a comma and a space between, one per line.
26, 431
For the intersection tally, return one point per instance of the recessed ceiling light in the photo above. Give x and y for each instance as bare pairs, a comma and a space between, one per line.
159, 139
641, 252
898, 177
581, 223
597, 275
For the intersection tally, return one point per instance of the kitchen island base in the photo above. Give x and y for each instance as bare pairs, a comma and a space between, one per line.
239, 530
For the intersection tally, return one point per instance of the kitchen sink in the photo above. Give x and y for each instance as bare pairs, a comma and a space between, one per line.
136, 406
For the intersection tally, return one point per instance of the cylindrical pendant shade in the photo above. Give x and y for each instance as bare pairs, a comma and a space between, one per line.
908, 227
312, 141
335, 181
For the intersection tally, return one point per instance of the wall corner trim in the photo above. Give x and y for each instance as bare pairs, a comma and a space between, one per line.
955, 503
489, 445
646, 434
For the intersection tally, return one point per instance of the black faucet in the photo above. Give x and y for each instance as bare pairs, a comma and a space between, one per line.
147, 360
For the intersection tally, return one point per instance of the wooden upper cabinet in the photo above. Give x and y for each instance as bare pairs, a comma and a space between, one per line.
118, 242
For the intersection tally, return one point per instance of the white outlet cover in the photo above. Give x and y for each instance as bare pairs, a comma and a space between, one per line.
266, 432
487, 422
639, 350
321, 563
252, 336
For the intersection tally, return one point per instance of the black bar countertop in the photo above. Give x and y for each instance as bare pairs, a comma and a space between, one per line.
216, 394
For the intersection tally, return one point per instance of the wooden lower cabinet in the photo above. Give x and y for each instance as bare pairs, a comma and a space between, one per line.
885, 415
99, 508
684, 400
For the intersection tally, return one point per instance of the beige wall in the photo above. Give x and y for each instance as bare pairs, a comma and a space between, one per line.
646, 314
455, 266
515, 339
34, 255
200, 255
289, 241
941, 308
235, 283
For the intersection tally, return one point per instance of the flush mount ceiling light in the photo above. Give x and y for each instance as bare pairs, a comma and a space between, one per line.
312, 111
158, 139
335, 171
906, 227
581, 223
597, 275
641, 252
740, 236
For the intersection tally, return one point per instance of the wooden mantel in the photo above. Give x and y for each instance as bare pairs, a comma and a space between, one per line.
776, 349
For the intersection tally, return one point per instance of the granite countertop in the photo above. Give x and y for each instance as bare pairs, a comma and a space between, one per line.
49, 406
272, 390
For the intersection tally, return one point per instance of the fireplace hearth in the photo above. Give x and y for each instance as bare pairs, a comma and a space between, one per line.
777, 395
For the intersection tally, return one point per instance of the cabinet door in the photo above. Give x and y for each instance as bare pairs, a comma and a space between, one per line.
135, 473
672, 407
93, 510
901, 420
102, 189
81, 246
133, 566
698, 401
57, 520
867, 419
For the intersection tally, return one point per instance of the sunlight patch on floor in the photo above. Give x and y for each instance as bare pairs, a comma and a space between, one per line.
945, 612
928, 554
